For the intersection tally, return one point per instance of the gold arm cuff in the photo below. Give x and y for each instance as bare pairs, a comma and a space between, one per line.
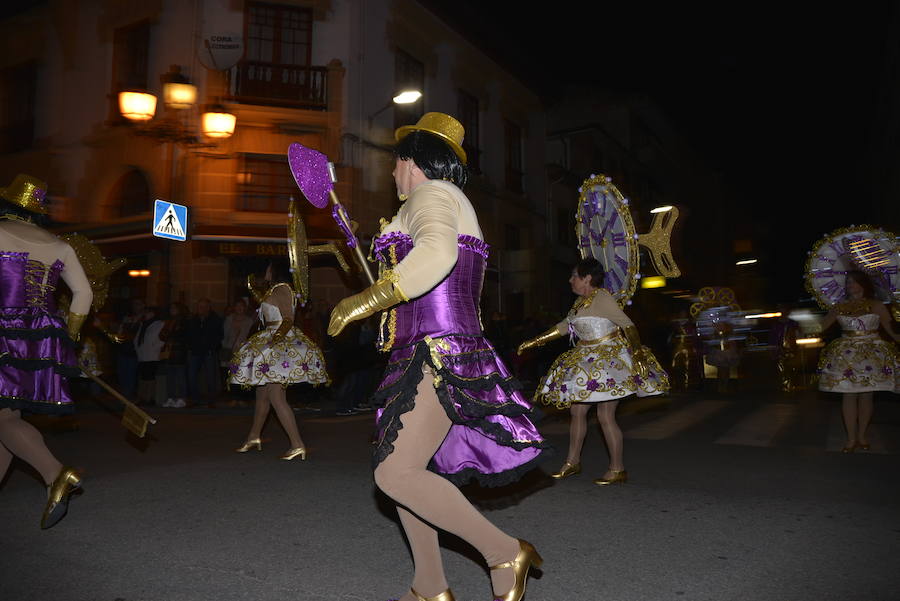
75, 321
283, 328
540, 340
391, 276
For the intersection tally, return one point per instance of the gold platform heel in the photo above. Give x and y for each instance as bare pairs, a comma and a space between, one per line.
256, 442
526, 558
58, 500
295, 452
567, 469
445, 596
618, 477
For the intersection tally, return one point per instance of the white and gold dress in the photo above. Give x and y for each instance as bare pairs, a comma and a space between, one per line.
859, 361
293, 359
600, 367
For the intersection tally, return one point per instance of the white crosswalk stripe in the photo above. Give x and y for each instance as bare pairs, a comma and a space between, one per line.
760, 428
676, 421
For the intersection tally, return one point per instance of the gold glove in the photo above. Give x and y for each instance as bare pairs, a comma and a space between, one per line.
541, 340
381, 295
258, 292
640, 354
282, 330
75, 322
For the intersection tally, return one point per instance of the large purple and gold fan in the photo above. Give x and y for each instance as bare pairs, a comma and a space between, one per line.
315, 177
606, 232
861, 247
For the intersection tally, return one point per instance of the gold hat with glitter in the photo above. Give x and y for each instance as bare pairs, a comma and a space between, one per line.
27, 192
441, 125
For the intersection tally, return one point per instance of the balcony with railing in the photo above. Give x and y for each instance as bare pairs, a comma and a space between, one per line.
295, 86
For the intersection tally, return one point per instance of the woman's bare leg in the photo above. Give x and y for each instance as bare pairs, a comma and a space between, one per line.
606, 415
429, 579
850, 413
577, 431
260, 412
278, 398
403, 476
866, 408
25, 442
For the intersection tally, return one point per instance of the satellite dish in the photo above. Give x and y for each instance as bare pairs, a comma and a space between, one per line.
221, 50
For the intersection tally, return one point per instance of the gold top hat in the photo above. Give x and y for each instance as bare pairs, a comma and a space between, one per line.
443, 126
27, 192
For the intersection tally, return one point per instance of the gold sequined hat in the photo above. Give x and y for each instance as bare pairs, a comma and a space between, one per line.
27, 192
441, 125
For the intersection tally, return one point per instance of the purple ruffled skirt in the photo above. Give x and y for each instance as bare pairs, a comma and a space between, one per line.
36, 359
492, 439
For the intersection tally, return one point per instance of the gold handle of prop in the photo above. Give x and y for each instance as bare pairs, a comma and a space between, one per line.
658, 242
360, 258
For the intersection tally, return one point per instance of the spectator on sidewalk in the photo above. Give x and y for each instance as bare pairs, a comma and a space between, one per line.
204, 335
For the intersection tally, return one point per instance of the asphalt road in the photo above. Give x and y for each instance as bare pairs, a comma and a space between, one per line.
729, 499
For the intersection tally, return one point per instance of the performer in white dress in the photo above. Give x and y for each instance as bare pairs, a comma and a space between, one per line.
859, 362
607, 364
274, 358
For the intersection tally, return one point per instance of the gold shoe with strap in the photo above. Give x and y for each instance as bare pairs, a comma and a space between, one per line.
58, 499
618, 477
295, 452
445, 596
253, 442
568, 469
526, 558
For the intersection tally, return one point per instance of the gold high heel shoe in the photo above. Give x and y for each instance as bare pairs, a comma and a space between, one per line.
58, 500
618, 477
256, 442
526, 558
295, 452
567, 470
445, 596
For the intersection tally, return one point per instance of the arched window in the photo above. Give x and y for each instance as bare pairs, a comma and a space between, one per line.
131, 195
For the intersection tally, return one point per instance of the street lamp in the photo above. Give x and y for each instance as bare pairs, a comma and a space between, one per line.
217, 122
139, 106
403, 97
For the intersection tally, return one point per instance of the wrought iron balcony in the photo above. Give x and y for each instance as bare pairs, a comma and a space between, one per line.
299, 86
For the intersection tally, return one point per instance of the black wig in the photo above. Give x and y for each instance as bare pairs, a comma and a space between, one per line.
433, 156
14, 210
591, 267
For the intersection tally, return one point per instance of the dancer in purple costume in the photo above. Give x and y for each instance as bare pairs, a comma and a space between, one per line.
450, 413
37, 352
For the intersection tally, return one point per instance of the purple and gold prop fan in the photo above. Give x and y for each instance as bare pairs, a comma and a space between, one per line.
310, 170
863, 247
315, 177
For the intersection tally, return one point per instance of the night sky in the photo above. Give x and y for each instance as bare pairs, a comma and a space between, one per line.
777, 98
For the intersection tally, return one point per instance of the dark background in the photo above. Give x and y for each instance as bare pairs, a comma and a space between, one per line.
781, 99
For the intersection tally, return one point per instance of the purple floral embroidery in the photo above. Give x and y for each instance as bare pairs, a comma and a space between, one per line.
590, 360
638, 380
868, 368
848, 373
563, 388
593, 385
610, 382
305, 366
264, 368
285, 364
233, 368
551, 386
887, 370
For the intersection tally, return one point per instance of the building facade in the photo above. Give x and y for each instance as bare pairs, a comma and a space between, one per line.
318, 72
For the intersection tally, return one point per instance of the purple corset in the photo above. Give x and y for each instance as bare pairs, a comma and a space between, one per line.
449, 308
28, 283
36, 354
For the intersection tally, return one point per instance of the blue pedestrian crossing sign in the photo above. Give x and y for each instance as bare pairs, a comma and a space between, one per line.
170, 220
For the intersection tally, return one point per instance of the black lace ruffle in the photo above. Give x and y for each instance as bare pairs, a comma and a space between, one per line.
38, 364
41, 407
37, 334
400, 397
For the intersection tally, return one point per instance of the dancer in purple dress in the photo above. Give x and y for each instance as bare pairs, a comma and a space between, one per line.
37, 352
449, 410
